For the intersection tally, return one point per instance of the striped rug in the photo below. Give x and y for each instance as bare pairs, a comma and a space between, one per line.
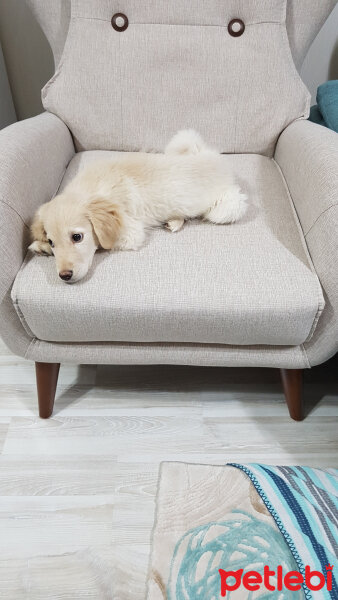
243, 519
304, 505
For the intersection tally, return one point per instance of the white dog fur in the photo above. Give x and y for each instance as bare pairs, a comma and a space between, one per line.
111, 204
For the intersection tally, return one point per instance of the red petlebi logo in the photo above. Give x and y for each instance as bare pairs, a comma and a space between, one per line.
292, 580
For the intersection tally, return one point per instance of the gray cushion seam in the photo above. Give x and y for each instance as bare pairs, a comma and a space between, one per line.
319, 217
302, 347
182, 24
32, 343
22, 318
14, 210
61, 179
56, 190
320, 299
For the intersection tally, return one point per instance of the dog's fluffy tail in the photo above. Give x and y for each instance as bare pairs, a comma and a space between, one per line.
186, 141
230, 207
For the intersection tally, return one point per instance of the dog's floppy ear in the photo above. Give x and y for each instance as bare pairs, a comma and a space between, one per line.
106, 221
37, 228
38, 235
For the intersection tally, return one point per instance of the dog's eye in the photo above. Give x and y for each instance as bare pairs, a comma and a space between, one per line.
51, 243
77, 237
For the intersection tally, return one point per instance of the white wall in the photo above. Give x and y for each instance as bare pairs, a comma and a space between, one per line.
30, 64
321, 62
7, 112
28, 57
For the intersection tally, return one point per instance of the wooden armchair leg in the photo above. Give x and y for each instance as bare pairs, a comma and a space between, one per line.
292, 380
46, 381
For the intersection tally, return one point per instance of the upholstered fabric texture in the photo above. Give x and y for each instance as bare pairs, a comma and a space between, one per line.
124, 353
127, 353
246, 283
176, 66
33, 158
208, 355
308, 156
303, 20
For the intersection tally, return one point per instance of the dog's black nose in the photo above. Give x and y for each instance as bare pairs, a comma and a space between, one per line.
66, 275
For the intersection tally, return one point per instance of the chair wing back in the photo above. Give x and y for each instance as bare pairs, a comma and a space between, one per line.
304, 19
225, 68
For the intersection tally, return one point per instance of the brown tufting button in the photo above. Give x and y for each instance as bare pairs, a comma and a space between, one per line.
119, 22
236, 27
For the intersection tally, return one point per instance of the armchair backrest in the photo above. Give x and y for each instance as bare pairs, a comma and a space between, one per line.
128, 83
304, 19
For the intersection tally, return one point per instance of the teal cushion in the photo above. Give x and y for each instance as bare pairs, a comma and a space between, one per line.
327, 100
316, 116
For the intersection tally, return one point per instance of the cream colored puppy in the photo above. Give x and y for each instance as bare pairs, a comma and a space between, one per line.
111, 204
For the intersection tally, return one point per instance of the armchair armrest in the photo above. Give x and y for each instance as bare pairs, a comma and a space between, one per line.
308, 157
33, 157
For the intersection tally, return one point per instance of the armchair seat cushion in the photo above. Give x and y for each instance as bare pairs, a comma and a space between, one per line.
249, 283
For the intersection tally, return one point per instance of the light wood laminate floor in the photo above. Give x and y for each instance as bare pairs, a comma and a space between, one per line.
77, 491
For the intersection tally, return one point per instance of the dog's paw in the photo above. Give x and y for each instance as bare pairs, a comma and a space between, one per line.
41, 248
127, 245
174, 225
130, 243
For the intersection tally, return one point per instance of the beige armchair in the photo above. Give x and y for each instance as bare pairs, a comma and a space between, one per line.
262, 292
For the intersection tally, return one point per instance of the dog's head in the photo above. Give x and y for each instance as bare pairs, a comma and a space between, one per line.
72, 231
